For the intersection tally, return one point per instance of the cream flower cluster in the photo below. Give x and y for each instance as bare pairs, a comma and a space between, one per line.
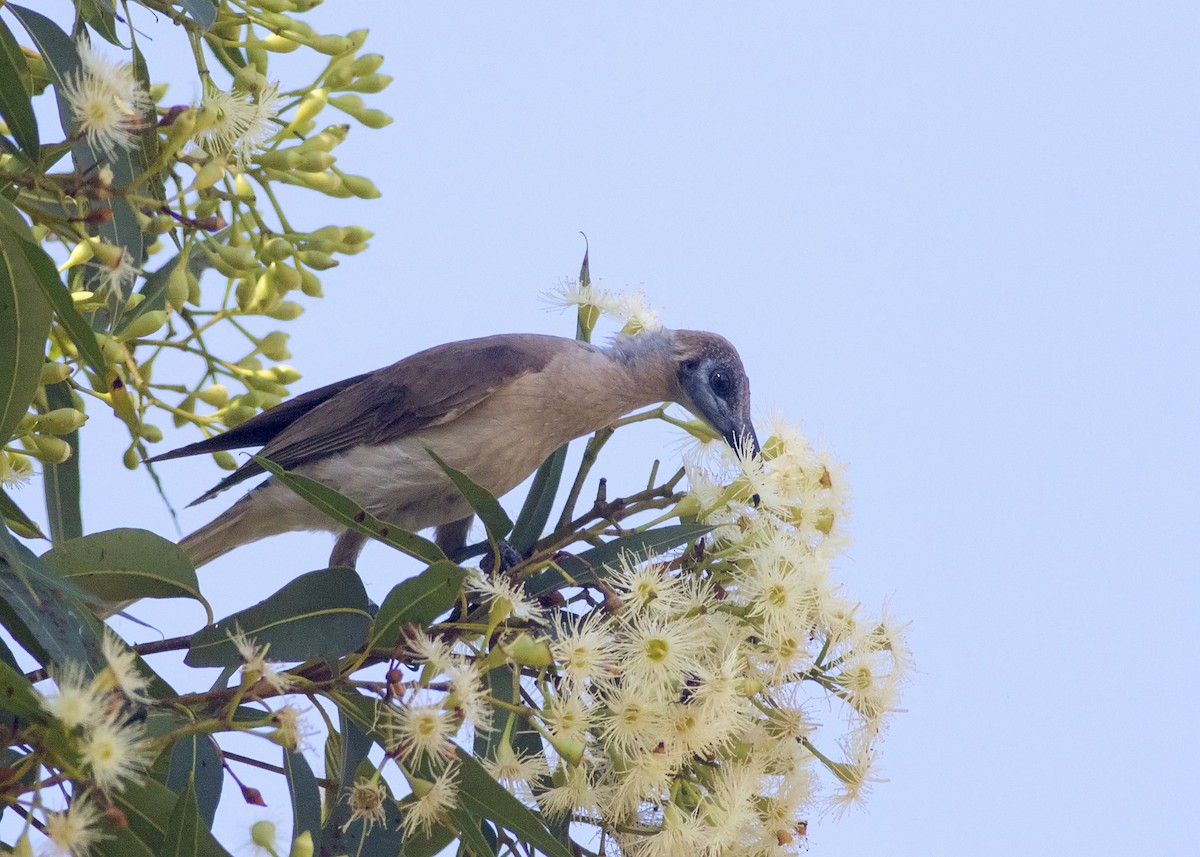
678, 702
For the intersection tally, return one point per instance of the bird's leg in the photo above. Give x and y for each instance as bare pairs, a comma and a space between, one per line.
347, 548
452, 537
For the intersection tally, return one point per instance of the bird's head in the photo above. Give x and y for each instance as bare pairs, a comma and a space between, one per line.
714, 386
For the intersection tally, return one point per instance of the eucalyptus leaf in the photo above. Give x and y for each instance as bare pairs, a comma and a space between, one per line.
126, 564
305, 797
16, 96
18, 697
182, 838
483, 797
49, 607
61, 483
195, 762
321, 614
203, 12
148, 807
352, 516
535, 511
418, 600
24, 325
16, 520
486, 506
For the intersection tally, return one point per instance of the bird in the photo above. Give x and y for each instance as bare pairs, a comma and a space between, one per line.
493, 408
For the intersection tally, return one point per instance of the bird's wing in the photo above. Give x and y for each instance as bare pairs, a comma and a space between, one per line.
427, 389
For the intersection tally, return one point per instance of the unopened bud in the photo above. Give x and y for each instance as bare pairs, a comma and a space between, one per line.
49, 450
286, 311
366, 64
144, 325
225, 460
371, 83
151, 432
312, 104
237, 415
132, 458
284, 374
262, 833
317, 260
326, 141
283, 278
302, 845
275, 250
278, 43
529, 652
331, 45
279, 159
61, 420
177, 286
360, 186
52, 373
310, 284
274, 346
215, 395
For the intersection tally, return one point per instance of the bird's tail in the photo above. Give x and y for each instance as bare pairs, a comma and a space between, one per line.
234, 527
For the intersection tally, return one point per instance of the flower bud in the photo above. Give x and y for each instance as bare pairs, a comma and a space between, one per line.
214, 394
366, 64
279, 43
283, 278
208, 175
132, 458
316, 162
316, 260
49, 450
279, 159
150, 432
284, 374
371, 83
262, 833
310, 284
243, 188
331, 45
312, 104
61, 420
177, 286
144, 325
274, 346
302, 845
52, 373
275, 250
225, 460
529, 652
326, 141
360, 186
237, 415
286, 311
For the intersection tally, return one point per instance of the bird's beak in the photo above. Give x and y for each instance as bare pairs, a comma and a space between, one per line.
741, 437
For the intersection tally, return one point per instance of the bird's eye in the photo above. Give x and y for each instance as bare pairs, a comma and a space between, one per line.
720, 382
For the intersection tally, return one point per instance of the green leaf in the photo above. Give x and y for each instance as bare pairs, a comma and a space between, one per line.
305, 796
418, 600
486, 506
483, 797
123, 843
588, 567
195, 763
16, 520
50, 608
321, 614
101, 16
47, 278
16, 95
538, 502
24, 325
127, 564
352, 516
149, 807
203, 12
60, 482
472, 836
428, 846
182, 838
18, 697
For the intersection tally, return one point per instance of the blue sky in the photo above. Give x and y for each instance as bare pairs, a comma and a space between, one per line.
958, 241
